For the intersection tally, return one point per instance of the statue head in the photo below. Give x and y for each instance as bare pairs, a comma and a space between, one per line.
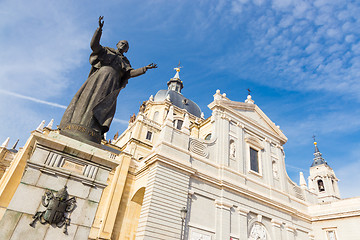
122, 46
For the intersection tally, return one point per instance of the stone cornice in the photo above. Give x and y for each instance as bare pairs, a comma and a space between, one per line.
242, 211
290, 228
355, 213
222, 204
276, 223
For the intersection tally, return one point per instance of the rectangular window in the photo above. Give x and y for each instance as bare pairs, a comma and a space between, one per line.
254, 160
148, 135
331, 235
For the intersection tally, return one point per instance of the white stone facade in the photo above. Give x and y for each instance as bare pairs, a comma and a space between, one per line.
228, 171
227, 195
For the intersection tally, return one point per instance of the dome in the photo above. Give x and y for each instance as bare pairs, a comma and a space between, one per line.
178, 100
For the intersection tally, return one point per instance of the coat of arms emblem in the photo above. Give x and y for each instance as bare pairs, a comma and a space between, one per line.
57, 209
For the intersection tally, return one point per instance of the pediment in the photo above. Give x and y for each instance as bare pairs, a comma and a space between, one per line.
254, 115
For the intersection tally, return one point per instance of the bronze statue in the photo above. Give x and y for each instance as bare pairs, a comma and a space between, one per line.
92, 109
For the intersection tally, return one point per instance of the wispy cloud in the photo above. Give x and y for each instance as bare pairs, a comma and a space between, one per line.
32, 99
325, 124
124, 122
304, 45
36, 100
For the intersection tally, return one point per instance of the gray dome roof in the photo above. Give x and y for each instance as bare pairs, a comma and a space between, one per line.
318, 159
178, 100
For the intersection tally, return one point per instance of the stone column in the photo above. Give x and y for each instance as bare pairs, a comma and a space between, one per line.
276, 229
243, 213
222, 220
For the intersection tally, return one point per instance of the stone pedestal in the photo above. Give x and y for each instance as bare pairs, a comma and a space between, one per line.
54, 162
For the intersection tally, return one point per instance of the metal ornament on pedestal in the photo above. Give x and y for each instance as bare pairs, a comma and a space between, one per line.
57, 208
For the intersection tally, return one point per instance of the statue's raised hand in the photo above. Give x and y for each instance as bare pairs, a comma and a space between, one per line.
101, 23
151, 65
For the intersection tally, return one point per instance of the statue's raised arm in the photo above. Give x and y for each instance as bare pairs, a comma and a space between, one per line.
92, 109
101, 23
95, 41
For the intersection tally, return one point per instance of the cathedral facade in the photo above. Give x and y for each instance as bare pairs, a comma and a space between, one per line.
181, 176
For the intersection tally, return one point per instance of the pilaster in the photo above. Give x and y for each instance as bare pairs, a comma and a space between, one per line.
223, 139
110, 202
241, 146
276, 229
243, 214
222, 220
282, 168
267, 163
290, 232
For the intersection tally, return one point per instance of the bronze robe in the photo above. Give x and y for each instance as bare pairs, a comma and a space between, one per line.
94, 105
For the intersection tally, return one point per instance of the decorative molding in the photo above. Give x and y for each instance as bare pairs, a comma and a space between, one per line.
253, 141
242, 211
223, 205
311, 236
198, 147
276, 223
290, 228
191, 193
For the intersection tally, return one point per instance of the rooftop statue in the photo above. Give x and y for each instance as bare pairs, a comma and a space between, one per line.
92, 109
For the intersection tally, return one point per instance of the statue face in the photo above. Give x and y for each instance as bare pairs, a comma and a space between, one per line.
123, 46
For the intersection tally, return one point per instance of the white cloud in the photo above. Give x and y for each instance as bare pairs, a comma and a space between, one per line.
281, 4
39, 47
325, 124
348, 176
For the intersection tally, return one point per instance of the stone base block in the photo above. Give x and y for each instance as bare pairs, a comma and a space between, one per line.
57, 161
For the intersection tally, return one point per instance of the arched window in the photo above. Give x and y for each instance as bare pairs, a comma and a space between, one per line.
156, 116
208, 137
321, 185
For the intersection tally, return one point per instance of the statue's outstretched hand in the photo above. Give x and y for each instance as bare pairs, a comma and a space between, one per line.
151, 65
101, 23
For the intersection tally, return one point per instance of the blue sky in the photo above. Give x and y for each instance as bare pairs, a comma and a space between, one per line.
300, 58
